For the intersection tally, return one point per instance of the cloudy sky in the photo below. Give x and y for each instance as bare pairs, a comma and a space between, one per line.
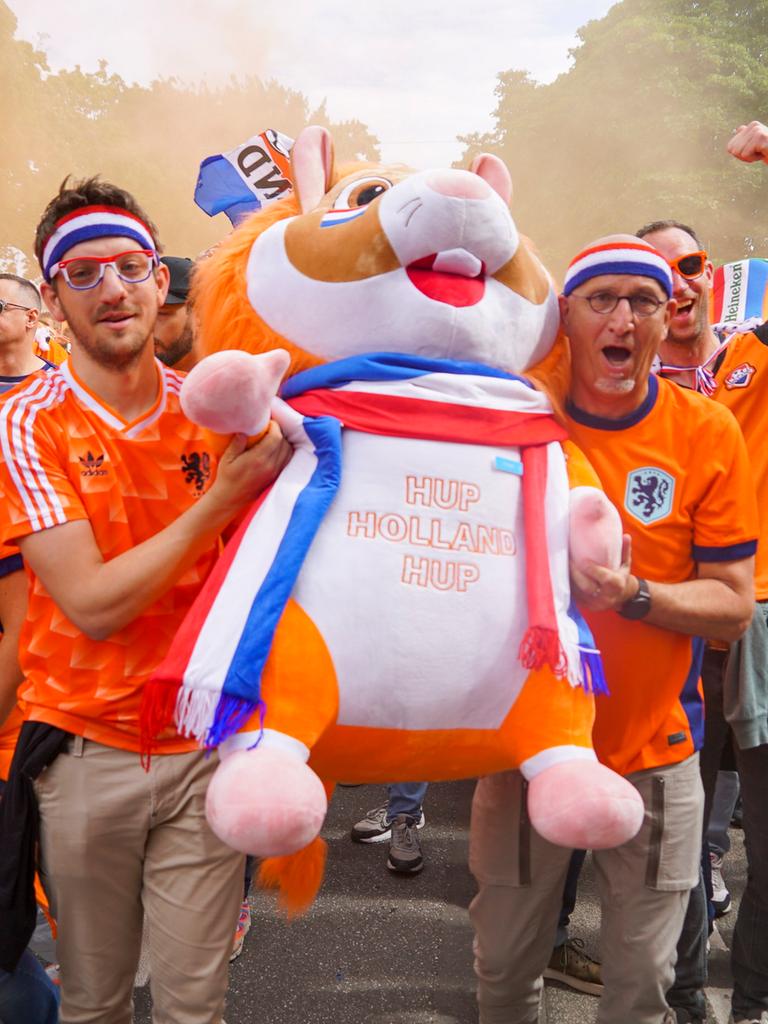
418, 72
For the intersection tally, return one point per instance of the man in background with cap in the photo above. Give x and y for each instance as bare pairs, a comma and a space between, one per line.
117, 503
175, 324
675, 466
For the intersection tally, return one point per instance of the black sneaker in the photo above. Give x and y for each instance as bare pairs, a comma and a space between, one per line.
376, 827
404, 849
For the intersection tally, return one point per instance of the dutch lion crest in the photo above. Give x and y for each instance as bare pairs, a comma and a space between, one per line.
649, 494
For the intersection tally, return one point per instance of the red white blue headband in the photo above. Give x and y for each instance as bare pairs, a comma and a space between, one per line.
91, 222
618, 258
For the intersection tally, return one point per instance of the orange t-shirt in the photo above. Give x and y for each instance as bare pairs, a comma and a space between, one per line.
11, 561
678, 472
66, 456
740, 387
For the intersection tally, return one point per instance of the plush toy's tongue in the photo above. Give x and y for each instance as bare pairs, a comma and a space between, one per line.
455, 277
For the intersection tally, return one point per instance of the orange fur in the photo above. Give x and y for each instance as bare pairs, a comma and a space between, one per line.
552, 374
219, 289
297, 877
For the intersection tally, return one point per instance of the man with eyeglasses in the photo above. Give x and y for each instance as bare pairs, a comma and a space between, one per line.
675, 466
20, 306
116, 501
735, 682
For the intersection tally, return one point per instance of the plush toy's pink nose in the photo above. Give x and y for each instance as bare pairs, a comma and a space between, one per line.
458, 185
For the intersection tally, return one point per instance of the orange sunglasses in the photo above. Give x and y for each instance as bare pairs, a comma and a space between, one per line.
691, 265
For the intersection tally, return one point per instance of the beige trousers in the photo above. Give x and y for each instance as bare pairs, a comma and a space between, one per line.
117, 843
643, 886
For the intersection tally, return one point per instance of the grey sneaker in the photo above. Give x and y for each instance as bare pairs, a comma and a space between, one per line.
376, 827
404, 849
571, 966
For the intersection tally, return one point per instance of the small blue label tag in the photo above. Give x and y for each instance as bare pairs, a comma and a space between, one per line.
508, 465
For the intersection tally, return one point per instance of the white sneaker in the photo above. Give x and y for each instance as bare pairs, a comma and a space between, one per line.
721, 898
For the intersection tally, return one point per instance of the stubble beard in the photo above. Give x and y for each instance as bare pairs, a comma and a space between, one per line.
180, 348
117, 358
610, 386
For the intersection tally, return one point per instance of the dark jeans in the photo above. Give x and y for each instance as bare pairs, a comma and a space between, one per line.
749, 957
569, 896
28, 994
406, 798
687, 992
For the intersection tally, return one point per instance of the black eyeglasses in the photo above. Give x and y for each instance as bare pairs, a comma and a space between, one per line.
11, 305
605, 302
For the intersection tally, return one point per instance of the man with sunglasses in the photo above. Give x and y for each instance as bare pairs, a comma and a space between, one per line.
688, 353
117, 502
676, 468
736, 682
20, 307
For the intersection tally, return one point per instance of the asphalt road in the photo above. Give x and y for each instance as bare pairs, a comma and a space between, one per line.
377, 948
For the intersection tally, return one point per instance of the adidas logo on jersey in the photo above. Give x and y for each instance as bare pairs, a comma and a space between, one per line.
92, 464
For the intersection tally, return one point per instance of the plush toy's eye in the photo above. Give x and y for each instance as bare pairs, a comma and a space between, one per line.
361, 193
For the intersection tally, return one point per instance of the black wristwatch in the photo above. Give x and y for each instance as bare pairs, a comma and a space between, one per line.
637, 607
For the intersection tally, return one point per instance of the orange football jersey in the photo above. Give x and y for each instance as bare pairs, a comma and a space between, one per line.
678, 472
66, 456
742, 383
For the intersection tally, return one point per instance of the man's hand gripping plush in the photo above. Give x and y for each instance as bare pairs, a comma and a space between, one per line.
600, 555
231, 393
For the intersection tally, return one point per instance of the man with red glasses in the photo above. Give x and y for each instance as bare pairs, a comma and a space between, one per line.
735, 683
117, 503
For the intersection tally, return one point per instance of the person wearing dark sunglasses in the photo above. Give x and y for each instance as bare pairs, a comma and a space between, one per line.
20, 306
691, 343
733, 680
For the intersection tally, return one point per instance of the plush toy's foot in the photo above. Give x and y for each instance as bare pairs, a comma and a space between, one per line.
231, 392
265, 802
584, 805
595, 529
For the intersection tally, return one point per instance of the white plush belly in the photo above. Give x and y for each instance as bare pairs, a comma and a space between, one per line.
416, 581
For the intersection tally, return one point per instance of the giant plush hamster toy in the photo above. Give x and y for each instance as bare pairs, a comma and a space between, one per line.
397, 606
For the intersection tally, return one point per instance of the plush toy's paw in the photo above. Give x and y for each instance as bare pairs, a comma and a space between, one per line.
265, 802
584, 805
231, 392
595, 529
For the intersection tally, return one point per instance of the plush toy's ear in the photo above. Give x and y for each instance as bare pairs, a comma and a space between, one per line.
495, 173
312, 163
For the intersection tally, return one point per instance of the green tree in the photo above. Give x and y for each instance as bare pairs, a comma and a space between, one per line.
636, 129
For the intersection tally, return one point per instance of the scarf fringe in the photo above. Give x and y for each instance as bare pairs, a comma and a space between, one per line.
541, 646
592, 674
230, 716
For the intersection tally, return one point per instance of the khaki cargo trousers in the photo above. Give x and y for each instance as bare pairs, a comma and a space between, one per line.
643, 886
119, 843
